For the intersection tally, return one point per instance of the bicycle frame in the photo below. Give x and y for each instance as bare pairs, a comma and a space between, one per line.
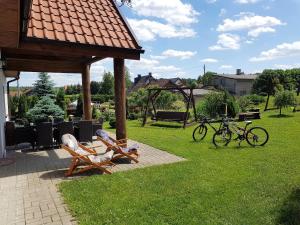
205, 122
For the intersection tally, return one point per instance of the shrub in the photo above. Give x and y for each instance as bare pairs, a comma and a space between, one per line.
102, 98
165, 100
96, 114
283, 99
214, 104
112, 122
44, 109
133, 116
256, 99
107, 115
178, 105
244, 103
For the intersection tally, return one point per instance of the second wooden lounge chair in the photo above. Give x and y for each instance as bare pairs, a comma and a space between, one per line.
86, 157
118, 146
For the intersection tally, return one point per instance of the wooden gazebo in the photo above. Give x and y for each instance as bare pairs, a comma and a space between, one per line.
67, 36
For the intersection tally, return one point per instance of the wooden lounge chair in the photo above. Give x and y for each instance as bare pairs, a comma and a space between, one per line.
118, 146
85, 157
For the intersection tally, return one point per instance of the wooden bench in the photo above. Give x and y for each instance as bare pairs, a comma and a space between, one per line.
170, 116
249, 115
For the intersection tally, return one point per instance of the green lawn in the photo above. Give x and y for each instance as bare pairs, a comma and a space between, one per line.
234, 186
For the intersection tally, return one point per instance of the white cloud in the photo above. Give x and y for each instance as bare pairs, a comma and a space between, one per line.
256, 32
253, 23
178, 54
249, 42
246, 1
226, 67
209, 60
211, 1
280, 51
287, 66
163, 69
147, 30
173, 11
151, 65
226, 42
158, 57
144, 63
222, 12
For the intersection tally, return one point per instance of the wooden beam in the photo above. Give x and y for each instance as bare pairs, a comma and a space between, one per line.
93, 60
22, 54
55, 47
86, 89
9, 23
120, 98
32, 65
11, 73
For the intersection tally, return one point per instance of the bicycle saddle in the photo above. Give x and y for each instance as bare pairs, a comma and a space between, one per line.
248, 122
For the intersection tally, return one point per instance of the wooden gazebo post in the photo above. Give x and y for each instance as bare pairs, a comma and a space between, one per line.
86, 90
120, 98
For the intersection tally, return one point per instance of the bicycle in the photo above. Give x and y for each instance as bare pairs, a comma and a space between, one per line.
200, 131
255, 136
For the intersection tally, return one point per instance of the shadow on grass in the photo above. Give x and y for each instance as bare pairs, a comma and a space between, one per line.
281, 116
290, 211
166, 125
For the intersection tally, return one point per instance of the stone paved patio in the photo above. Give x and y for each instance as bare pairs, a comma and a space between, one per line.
28, 188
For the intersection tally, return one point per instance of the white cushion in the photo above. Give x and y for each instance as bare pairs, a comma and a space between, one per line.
70, 141
101, 158
81, 151
104, 136
131, 148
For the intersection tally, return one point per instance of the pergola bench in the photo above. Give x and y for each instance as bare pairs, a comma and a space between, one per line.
170, 116
249, 115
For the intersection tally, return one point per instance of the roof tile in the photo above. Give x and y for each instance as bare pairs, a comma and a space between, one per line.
91, 22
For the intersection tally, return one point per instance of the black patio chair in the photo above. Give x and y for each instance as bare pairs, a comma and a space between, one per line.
97, 126
24, 135
58, 120
84, 131
10, 133
62, 129
44, 134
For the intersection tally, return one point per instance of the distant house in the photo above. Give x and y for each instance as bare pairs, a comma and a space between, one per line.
237, 84
148, 80
21, 91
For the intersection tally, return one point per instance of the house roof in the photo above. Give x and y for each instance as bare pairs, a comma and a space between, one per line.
142, 83
88, 22
238, 77
148, 80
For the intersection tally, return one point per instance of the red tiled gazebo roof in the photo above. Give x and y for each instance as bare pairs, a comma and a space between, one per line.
87, 22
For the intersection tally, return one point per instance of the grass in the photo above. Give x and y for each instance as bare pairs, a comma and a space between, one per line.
230, 185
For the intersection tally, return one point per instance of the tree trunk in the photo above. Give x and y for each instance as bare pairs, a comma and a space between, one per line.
280, 111
267, 103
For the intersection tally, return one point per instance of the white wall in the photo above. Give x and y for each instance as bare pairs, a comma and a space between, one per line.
2, 111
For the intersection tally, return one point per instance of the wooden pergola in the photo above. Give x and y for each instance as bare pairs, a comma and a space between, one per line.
188, 97
68, 37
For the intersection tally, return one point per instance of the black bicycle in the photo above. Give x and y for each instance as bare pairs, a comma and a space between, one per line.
200, 131
255, 136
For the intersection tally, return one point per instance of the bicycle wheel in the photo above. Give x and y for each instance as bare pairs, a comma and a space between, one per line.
222, 138
257, 136
200, 133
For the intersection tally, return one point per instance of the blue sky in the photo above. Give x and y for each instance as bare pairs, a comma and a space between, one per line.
180, 36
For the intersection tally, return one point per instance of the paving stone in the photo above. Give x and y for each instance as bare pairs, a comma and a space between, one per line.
28, 188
